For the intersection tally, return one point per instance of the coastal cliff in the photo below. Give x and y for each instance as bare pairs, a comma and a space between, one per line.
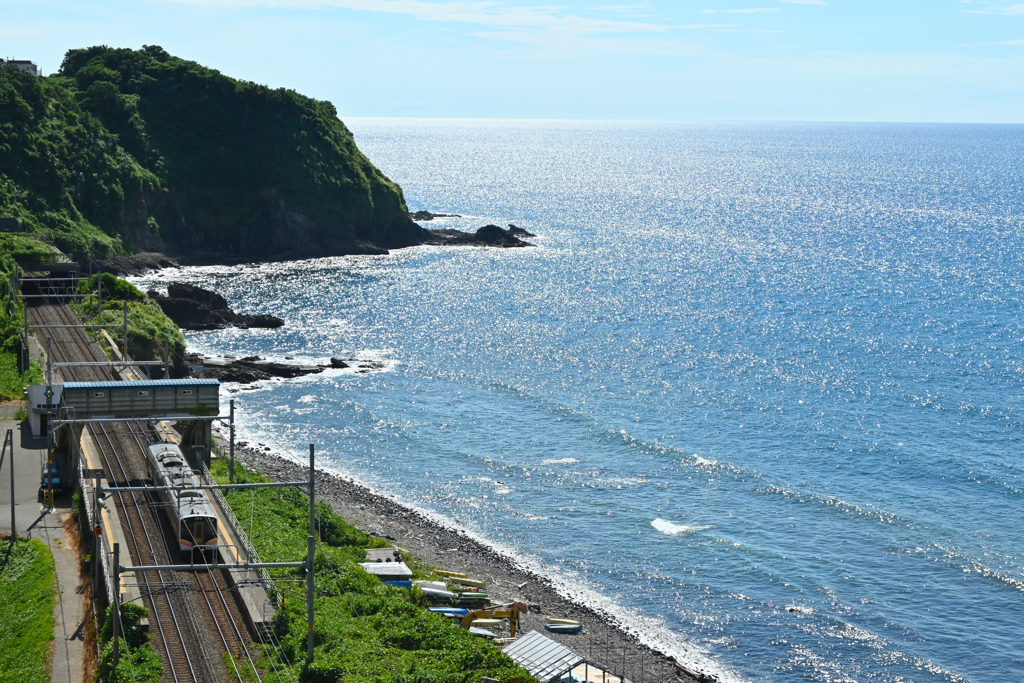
137, 150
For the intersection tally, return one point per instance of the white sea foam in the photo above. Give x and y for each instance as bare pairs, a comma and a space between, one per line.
559, 461
669, 529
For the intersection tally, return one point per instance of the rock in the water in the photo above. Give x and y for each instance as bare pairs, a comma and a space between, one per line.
194, 308
516, 231
339, 364
253, 369
261, 321
240, 373
427, 216
183, 290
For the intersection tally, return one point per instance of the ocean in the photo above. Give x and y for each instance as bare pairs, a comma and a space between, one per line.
756, 392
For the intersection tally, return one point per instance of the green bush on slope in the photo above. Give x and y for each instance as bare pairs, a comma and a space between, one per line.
137, 660
148, 325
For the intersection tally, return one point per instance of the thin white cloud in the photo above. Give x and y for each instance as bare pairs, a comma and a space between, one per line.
752, 10
1015, 9
1017, 43
477, 12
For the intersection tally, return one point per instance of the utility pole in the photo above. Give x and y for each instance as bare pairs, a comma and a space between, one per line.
49, 362
124, 351
231, 445
309, 558
9, 439
97, 543
167, 358
115, 609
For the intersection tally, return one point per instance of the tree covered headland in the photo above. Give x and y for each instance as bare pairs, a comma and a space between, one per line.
128, 150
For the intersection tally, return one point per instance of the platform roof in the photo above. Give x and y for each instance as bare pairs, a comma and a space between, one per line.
542, 657
148, 383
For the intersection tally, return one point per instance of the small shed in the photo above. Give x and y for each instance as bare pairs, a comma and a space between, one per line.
545, 659
43, 402
158, 398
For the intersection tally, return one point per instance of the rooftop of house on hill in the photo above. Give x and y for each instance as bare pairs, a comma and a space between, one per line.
23, 64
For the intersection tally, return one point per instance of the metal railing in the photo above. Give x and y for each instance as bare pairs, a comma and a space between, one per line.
236, 526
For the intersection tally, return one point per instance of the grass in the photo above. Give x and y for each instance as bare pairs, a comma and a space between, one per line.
364, 631
26, 610
11, 383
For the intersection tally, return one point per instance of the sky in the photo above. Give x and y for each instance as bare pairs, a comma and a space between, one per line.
678, 60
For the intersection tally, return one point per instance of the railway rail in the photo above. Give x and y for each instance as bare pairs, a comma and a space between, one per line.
185, 607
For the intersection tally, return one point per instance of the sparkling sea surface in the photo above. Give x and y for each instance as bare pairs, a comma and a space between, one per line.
757, 392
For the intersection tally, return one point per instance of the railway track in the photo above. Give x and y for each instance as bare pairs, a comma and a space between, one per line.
185, 607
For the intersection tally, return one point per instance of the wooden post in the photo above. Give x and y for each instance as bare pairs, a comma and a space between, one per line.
9, 439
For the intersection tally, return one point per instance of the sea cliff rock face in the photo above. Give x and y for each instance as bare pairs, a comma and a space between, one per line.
227, 169
194, 308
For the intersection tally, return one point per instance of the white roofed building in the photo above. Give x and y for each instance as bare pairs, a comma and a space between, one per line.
23, 64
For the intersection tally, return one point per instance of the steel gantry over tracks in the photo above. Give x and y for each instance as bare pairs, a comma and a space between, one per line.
308, 563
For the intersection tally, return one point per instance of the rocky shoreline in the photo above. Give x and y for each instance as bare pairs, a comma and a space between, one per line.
603, 639
454, 550
486, 236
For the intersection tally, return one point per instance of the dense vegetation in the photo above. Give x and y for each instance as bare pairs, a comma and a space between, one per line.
364, 630
137, 660
26, 610
137, 149
148, 326
15, 249
62, 174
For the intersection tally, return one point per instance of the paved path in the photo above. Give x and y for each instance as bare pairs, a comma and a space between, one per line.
69, 617
29, 456
32, 520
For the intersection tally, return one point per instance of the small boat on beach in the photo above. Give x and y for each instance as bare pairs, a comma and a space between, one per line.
438, 585
564, 622
438, 594
564, 628
454, 611
454, 575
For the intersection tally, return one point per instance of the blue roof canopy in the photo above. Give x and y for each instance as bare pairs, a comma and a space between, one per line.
154, 383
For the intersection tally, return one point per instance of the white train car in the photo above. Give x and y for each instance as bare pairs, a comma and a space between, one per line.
188, 509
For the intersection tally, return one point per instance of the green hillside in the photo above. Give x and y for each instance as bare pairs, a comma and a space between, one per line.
128, 150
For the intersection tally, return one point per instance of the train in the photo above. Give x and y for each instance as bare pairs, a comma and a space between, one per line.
188, 509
